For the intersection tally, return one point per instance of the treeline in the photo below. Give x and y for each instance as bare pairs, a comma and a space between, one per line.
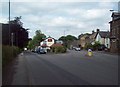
14, 39
14, 33
67, 40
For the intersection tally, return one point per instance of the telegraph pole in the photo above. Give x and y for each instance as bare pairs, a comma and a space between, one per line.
9, 26
12, 38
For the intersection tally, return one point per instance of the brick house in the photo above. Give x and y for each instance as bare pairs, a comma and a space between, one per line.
84, 39
102, 36
115, 32
93, 36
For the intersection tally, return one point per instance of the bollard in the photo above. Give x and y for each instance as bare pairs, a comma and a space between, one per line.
90, 52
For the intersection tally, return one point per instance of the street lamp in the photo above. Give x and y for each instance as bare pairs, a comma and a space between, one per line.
111, 10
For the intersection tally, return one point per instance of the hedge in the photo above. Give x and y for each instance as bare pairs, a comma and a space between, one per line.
59, 49
9, 53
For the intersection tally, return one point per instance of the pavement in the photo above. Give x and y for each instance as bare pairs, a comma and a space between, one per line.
71, 68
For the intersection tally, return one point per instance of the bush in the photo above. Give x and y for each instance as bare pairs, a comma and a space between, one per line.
94, 46
9, 53
59, 49
88, 45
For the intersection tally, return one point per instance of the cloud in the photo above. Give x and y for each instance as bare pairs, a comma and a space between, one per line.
95, 13
60, 1
22, 10
3, 20
53, 18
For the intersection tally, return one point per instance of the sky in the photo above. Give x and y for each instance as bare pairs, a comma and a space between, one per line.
56, 18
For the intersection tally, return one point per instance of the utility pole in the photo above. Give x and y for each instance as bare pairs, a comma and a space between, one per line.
9, 26
12, 38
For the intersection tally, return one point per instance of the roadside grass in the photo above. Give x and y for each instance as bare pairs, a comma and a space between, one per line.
8, 54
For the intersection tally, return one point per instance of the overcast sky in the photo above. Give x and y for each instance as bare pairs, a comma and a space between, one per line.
58, 17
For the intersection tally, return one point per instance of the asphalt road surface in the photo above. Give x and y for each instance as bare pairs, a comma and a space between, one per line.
71, 68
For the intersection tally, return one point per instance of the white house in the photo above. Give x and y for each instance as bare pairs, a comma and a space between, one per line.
103, 38
48, 42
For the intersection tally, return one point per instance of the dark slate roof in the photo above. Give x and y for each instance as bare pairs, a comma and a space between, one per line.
115, 14
93, 35
104, 34
85, 35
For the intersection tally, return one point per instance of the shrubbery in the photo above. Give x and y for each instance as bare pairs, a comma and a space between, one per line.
9, 53
88, 45
93, 47
58, 49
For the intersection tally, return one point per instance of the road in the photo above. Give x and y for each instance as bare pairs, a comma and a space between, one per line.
71, 68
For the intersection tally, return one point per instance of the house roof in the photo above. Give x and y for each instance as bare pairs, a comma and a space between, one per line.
92, 36
44, 45
50, 37
57, 44
85, 36
115, 14
104, 34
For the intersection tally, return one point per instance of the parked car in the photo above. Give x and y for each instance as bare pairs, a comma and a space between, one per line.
102, 47
42, 51
73, 48
77, 48
32, 50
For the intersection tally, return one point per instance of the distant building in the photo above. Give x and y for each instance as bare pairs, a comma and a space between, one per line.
103, 37
84, 39
59, 42
48, 42
92, 37
56, 45
115, 32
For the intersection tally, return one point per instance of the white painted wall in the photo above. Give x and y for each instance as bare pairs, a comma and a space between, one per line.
98, 38
102, 41
105, 41
50, 43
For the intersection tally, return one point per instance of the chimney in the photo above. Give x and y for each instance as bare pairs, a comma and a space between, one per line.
93, 31
98, 30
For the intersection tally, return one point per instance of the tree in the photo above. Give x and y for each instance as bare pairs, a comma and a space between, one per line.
70, 38
63, 38
39, 36
88, 45
17, 21
15, 30
67, 39
96, 45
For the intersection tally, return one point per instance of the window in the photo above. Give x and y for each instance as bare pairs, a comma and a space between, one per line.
49, 40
